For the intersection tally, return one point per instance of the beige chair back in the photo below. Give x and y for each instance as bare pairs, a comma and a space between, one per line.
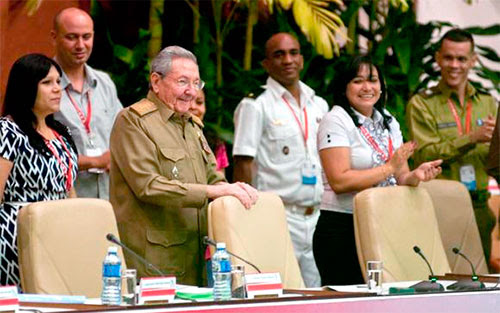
494, 204
457, 224
259, 235
388, 223
62, 245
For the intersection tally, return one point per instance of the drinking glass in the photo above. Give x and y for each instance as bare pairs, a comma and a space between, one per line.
129, 282
238, 285
374, 273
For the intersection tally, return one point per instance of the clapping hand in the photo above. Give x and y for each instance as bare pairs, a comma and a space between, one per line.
401, 156
428, 170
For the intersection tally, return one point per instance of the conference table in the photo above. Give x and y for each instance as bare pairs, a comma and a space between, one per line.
303, 301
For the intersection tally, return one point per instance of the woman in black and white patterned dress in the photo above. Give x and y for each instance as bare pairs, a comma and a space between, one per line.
38, 159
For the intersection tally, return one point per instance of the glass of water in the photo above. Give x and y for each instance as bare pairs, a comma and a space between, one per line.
129, 282
238, 286
374, 273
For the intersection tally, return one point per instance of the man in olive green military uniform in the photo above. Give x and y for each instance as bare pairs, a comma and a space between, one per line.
454, 122
163, 173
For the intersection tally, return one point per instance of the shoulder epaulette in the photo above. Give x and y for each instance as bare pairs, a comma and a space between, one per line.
143, 107
251, 95
429, 92
254, 94
482, 91
197, 120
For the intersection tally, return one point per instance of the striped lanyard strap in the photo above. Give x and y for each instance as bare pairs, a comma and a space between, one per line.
375, 145
65, 168
468, 117
304, 130
84, 119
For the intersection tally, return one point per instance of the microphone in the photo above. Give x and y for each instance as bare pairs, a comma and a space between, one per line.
473, 284
207, 241
112, 238
426, 285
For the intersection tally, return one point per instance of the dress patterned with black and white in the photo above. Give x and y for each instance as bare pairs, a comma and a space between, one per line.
33, 177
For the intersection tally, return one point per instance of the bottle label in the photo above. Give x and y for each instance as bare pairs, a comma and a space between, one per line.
225, 266
111, 270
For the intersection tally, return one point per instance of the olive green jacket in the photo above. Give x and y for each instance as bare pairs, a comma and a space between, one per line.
433, 126
160, 167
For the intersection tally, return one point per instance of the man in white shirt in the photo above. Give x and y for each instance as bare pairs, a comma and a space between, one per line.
275, 145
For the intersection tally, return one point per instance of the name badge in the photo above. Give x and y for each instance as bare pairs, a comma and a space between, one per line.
309, 173
468, 176
94, 152
446, 125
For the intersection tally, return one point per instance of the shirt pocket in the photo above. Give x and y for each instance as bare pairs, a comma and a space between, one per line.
173, 163
285, 143
167, 250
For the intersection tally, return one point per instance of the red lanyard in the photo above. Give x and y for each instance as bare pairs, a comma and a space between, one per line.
468, 117
304, 130
375, 145
68, 169
85, 120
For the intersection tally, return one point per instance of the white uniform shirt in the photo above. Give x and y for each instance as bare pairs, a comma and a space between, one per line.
266, 129
338, 130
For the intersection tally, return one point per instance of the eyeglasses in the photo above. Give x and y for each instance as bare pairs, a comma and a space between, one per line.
184, 83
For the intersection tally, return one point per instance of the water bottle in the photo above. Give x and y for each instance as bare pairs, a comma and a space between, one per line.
221, 269
111, 278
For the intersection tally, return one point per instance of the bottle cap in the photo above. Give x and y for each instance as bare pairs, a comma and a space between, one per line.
113, 249
221, 245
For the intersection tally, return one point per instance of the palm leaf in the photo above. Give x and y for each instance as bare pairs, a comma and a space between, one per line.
319, 24
285, 4
403, 4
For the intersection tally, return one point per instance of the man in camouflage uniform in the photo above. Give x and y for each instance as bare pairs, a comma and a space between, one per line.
454, 121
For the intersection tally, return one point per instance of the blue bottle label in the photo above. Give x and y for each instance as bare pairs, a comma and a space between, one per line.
111, 270
225, 266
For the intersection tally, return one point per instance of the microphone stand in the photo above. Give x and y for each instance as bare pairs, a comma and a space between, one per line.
473, 284
110, 237
208, 241
427, 285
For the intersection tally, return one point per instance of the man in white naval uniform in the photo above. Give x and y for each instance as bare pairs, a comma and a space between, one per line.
275, 145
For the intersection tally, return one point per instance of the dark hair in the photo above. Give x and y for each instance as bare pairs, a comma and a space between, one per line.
346, 72
457, 35
20, 97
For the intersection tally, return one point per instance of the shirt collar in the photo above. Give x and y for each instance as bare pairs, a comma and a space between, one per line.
166, 112
376, 118
470, 91
90, 79
278, 90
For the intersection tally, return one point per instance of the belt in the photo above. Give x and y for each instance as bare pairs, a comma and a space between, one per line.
304, 210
